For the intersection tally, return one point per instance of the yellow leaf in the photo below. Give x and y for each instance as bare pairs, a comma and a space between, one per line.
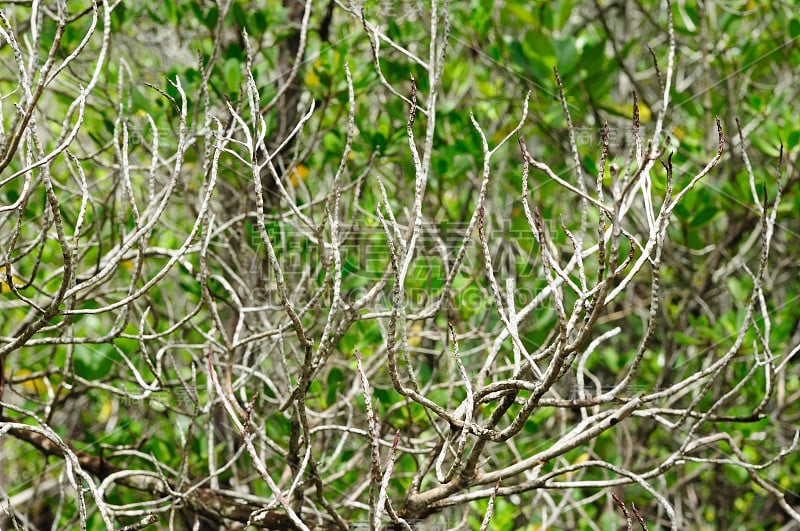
578, 460
626, 111
581, 458
414, 336
502, 133
299, 173
34, 386
678, 132
312, 79
105, 412
4, 287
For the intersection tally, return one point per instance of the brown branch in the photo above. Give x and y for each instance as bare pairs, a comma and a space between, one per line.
212, 504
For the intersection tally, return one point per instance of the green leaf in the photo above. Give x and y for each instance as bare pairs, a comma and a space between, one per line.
521, 12
739, 288
564, 12
171, 10
335, 383
685, 339
794, 28
793, 139
517, 55
706, 214
211, 18
694, 241
566, 55
259, 22
232, 72
611, 357
764, 145
238, 14
93, 362
539, 47
680, 211
118, 17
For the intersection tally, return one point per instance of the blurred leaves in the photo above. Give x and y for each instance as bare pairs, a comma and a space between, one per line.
734, 60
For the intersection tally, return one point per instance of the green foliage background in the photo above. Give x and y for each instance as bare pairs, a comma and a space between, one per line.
735, 60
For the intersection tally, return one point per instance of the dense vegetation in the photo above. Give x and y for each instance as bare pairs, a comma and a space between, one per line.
356, 264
